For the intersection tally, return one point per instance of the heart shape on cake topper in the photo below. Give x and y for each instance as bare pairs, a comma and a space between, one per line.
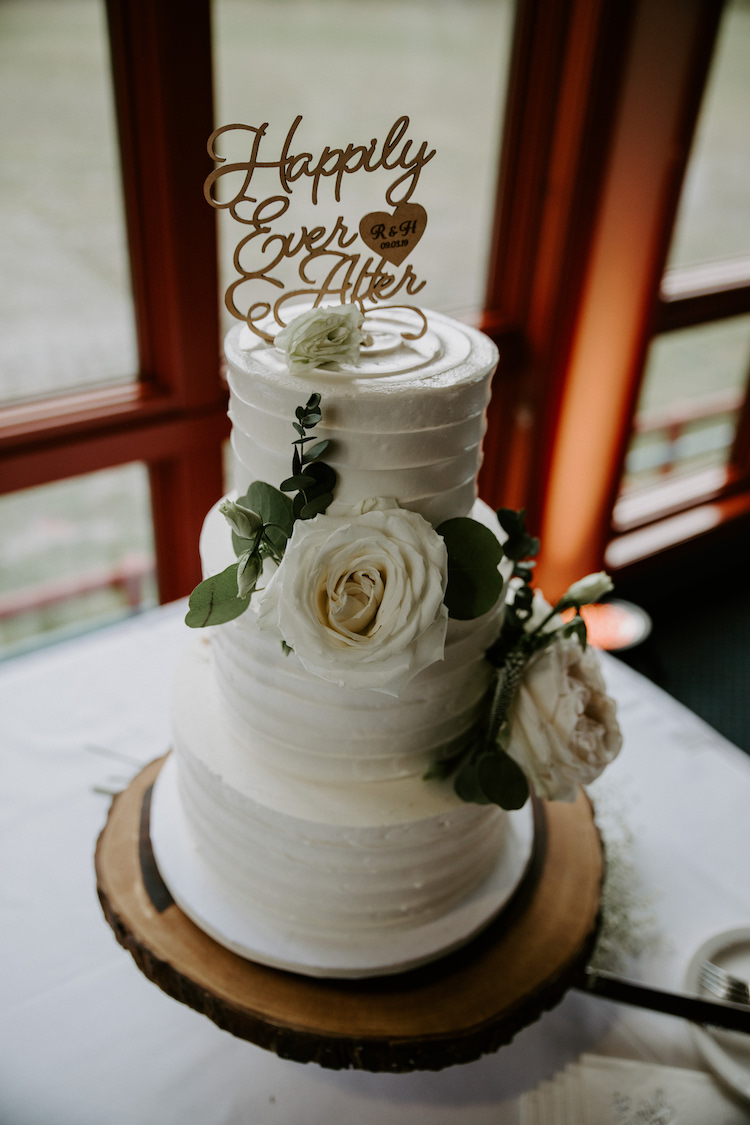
394, 236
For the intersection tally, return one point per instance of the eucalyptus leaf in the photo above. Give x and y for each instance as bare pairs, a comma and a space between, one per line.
270, 504
300, 482
519, 544
274, 508
315, 506
324, 476
316, 451
474, 581
502, 780
467, 785
214, 601
524, 570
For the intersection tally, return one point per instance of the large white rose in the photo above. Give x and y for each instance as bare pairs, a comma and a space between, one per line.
321, 335
563, 726
359, 597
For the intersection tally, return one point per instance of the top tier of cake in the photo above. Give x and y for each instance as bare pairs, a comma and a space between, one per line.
407, 421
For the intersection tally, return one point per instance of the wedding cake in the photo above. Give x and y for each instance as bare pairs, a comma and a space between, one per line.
374, 687
301, 818
300, 797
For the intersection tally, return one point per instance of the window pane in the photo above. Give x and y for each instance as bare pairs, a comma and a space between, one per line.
352, 70
73, 555
66, 316
714, 216
692, 391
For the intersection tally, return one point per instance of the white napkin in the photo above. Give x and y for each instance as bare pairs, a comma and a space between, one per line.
605, 1091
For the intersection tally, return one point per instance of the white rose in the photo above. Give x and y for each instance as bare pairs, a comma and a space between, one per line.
589, 589
563, 726
359, 597
321, 335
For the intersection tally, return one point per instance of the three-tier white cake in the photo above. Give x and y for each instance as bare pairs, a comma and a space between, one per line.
292, 820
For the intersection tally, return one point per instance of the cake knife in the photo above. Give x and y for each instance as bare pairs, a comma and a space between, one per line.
697, 1009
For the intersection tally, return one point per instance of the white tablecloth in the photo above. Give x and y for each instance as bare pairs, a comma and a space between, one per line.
86, 1039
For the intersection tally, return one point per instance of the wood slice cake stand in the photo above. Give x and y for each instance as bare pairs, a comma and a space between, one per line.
451, 1011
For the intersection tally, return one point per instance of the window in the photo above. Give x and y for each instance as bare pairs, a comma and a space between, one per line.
163, 406
602, 103
686, 440
592, 176
444, 65
74, 554
66, 318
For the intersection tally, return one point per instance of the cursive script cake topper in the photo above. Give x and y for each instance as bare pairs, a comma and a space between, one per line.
329, 264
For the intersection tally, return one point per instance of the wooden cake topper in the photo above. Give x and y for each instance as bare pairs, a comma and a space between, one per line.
330, 267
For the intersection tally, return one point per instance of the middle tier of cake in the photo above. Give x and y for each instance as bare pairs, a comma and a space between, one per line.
310, 728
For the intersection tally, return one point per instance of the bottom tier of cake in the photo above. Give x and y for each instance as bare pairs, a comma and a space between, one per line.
347, 880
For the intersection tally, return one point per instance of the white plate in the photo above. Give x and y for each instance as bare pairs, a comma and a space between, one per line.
727, 1053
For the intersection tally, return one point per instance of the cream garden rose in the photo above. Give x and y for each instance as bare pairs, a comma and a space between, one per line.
359, 597
563, 726
321, 335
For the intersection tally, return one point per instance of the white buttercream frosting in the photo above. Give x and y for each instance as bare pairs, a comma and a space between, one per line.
389, 853
406, 421
316, 729
301, 803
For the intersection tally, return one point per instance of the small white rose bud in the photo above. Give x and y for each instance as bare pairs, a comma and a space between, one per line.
244, 521
327, 334
586, 590
248, 573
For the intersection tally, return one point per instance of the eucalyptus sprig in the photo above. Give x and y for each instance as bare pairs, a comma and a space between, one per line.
312, 480
262, 521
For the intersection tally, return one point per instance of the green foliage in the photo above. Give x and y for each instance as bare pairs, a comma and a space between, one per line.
576, 628
216, 600
502, 780
485, 773
312, 480
468, 786
519, 544
474, 581
270, 513
492, 779
275, 510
